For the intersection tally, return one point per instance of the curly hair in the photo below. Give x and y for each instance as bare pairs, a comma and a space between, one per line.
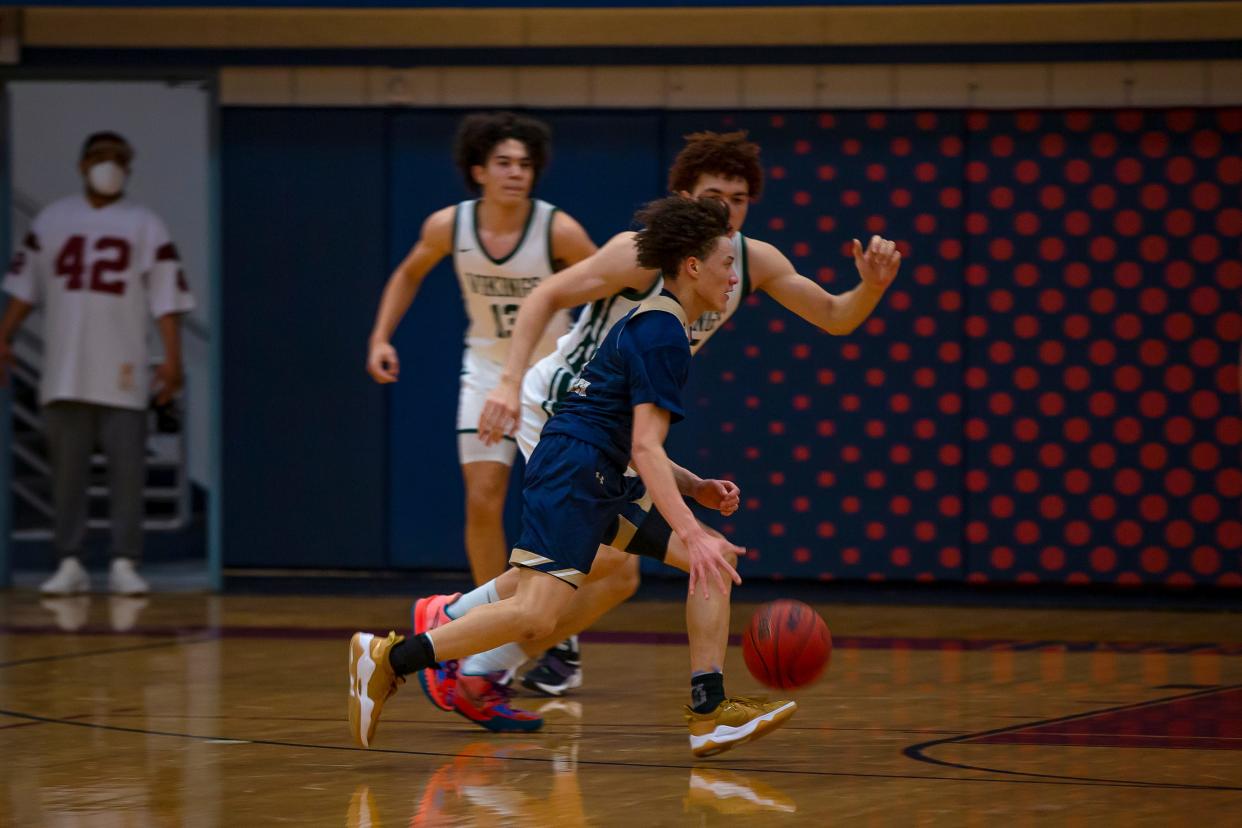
676, 228
479, 134
727, 154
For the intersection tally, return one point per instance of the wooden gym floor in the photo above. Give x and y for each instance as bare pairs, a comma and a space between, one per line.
228, 711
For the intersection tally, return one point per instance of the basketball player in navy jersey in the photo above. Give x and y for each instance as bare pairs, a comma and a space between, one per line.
617, 413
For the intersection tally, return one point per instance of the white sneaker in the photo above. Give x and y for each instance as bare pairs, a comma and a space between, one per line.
123, 580
69, 579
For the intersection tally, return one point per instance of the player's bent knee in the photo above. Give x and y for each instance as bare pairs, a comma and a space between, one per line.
533, 625
625, 580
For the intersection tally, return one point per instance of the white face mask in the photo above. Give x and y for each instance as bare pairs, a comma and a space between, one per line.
106, 178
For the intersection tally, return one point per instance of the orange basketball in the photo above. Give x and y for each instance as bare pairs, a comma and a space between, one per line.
787, 645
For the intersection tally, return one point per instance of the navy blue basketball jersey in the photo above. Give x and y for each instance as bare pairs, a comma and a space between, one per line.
645, 358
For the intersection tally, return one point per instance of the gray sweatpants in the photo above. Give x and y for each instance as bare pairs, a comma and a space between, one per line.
72, 429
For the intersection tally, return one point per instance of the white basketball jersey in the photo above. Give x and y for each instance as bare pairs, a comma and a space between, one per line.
99, 273
578, 346
493, 289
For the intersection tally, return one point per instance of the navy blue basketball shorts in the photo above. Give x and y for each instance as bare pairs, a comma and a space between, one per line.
575, 498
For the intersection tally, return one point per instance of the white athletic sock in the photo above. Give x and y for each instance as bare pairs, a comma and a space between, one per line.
504, 657
476, 597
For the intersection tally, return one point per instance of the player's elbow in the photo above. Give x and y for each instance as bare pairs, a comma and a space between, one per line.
646, 445
642, 455
840, 327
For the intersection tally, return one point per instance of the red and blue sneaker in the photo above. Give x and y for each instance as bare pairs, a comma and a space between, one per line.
485, 701
437, 682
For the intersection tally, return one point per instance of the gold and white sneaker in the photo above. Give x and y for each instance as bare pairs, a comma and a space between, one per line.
371, 682
736, 721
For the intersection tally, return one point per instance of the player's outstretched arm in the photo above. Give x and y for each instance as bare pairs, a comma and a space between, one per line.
613, 268
877, 266
706, 551
434, 243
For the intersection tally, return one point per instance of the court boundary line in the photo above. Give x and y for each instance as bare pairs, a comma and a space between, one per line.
86, 653
918, 752
644, 637
915, 752
600, 763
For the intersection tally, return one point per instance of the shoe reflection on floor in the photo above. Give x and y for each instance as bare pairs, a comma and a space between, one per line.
69, 613
480, 786
731, 793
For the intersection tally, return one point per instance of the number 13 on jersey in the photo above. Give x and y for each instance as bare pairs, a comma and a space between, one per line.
505, 317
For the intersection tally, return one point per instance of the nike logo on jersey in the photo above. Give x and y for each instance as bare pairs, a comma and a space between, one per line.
579, 386
464, 249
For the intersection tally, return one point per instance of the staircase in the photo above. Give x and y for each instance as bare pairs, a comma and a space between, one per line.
167, 490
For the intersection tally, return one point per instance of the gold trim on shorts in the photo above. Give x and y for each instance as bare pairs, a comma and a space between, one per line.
528, 559
625, 533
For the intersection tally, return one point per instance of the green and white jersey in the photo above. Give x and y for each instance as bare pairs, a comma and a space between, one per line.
578, 346
548, 380
493, 289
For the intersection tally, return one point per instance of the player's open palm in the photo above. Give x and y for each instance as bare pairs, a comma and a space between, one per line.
709, 563
721, 495
878, 264
382, 363
500, 413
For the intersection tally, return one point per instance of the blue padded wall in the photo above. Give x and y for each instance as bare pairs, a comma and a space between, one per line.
305, 443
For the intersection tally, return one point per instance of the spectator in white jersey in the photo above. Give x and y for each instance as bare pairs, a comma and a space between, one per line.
503, 244
97, 264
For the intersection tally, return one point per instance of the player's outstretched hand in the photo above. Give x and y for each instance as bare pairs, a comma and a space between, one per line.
382, 363
500, 413
878, 265
709, 562
722, 495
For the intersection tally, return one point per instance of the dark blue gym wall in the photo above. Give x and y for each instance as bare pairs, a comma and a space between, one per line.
305, 256
1050, 392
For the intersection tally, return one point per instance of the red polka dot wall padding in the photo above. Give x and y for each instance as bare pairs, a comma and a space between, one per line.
1102, 332
1049, 393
